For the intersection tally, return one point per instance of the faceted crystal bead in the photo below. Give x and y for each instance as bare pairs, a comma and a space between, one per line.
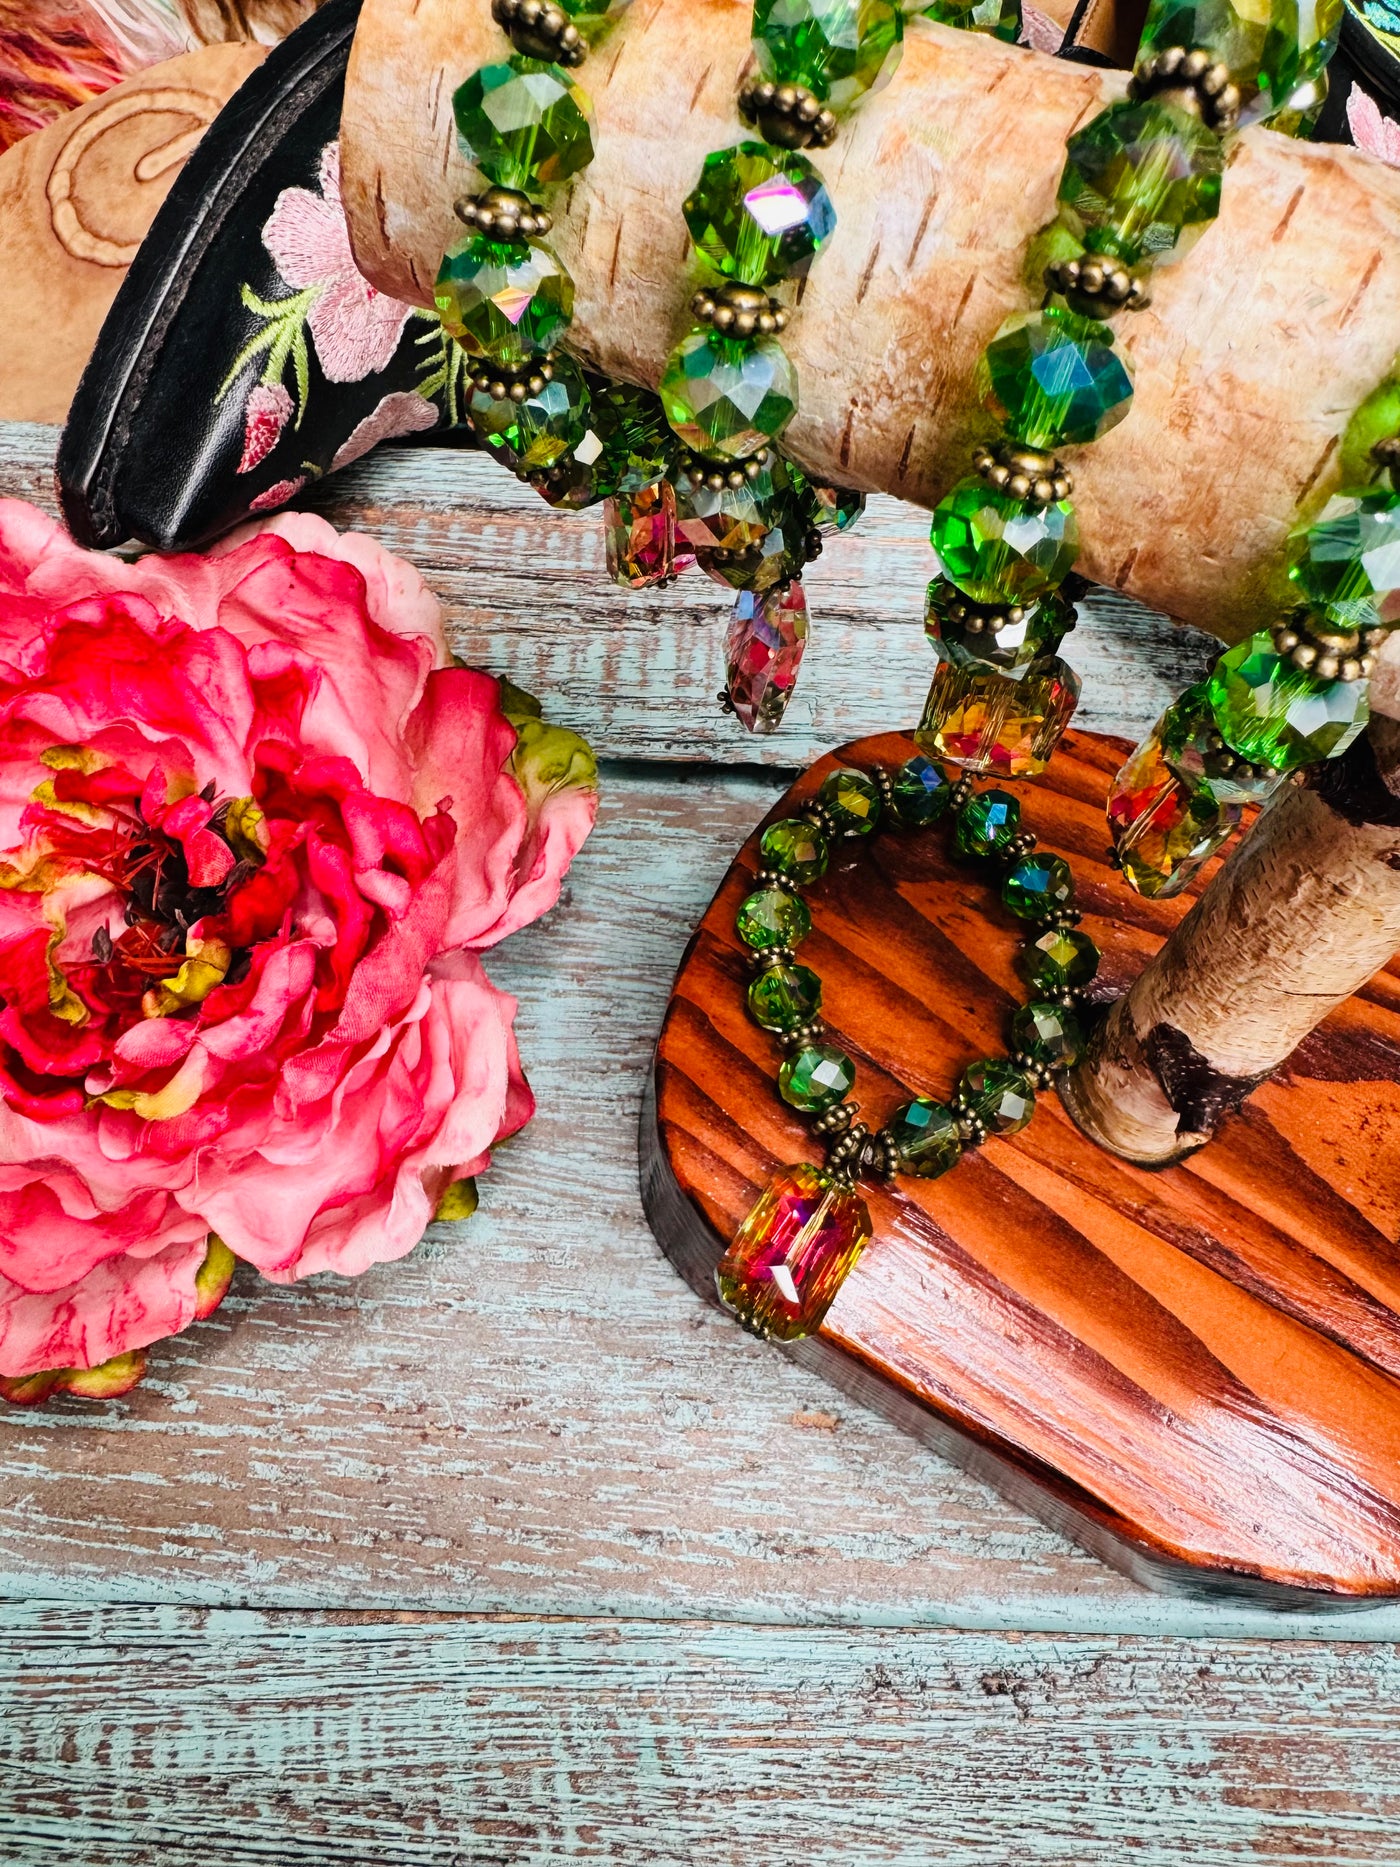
591, 16
1164, 826
997, 549
1031, 630
921, 792
838, 49
772, 917
1275, 714
987, 721
795, 849
636, 445
816, 1078
998, 1095
533, 434
925, 1135
509, 301
639, 534
525, 124
987, 823
569, 485
999, 19
1270, 46
1062, 960
727, 398
759, 214
1138, 177
1054, 379
793, 1252
784, 997
1195, 750
1347, 562
852, 801
833, 508
763, 652
1047, 1034
775, 558
732, 518
1037, 886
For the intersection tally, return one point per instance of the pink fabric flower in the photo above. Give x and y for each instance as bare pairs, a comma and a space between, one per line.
1378, 135
265, 414
255, 832
356, 329
277, 494
398, 414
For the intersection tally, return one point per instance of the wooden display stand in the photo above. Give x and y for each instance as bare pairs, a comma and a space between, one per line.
1196, 1370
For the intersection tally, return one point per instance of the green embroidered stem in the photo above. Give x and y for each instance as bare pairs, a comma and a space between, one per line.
447, 367
283, 337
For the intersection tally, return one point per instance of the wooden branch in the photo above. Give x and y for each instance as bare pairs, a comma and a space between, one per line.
1257, 346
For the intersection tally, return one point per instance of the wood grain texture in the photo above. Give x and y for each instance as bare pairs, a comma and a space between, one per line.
527, 594
172, 1738
1257, 346
1202, 1365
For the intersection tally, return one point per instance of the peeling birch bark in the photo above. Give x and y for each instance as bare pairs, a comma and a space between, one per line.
1258, 344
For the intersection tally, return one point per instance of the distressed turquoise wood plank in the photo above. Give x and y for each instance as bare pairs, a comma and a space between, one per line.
527, 595
173, 1738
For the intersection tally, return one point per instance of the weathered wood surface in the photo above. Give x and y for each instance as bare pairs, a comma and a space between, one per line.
174, 1738
1198, 1369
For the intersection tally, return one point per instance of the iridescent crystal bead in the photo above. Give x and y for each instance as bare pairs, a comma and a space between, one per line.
998, 1095
1047, 1034
524, 124
1271, 46
569, 486
833, 508
773, 559
794, 849
763, 652
772, 917
984, 720
920, 792
838, 49
1347, 562
636, 445
509, 301
1031, 630
999, 19
1140, 176
759, 214
926, 1138
1275, 714
1054, 379
534, 433
591, 16
639, 535
727, 398
793, 1252
987, 823
997, 549
815, 1078
732, 518
1195, 750
852, 800
1164, 826
1063, 959
1037, 886
784, 997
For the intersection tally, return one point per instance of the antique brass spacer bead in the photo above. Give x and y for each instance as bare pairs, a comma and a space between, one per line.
1096, 286
1198, 82
787, 114
1025, 473
503, 214
540, 29
740, 311
836, 1119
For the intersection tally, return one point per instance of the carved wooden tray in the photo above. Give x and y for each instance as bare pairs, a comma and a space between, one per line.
1195, 1371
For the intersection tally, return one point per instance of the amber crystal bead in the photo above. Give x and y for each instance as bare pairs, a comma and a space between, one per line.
793, 1252
987, 720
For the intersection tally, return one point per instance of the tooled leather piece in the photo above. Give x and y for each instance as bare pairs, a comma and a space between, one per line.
1199, 1094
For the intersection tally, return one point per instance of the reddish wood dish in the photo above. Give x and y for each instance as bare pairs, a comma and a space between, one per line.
1195, 1371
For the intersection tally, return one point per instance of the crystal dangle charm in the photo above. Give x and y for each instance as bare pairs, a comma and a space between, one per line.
1165, 824
793, 1252
639, 532
987, 721
763, 651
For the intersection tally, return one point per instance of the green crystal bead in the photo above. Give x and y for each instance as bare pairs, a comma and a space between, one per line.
525, 124
1165, 826
1347, 562
832, 508
999, 19
784, 997
852, 801
998, 1095
1139, 177
772, 917
998, 550
838, 49
507, 301
920, 793
1047, 1034
1272, 713
1029, 631
985, 720
987, 823
592, 16
759, 214
776, 557
795, 849
926, 1139
1037, 886
1062, 960
533, 434
1272, 47
816, 1078
732, 518
636, 445
1195, 751
1054, 379
726, 398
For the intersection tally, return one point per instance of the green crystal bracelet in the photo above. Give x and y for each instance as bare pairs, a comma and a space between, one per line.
791, 1254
